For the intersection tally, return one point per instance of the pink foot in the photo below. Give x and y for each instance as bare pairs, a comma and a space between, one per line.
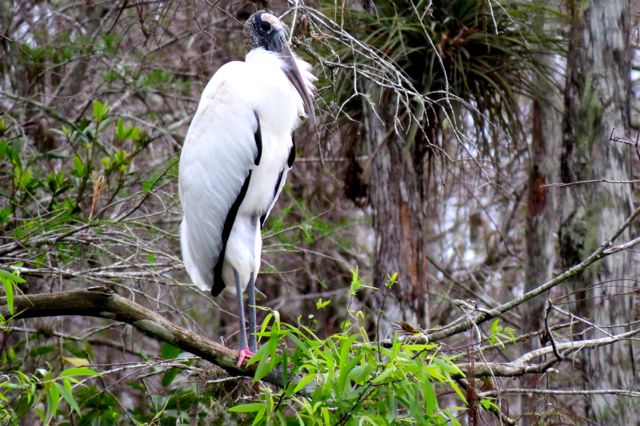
245, 353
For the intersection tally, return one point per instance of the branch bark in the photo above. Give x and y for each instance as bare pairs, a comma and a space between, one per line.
102, 302
521, 366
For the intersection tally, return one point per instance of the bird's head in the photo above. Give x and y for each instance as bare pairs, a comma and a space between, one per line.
264, 30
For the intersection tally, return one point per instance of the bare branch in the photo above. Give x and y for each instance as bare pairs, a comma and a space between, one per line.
590, 181
578, 392
601, 252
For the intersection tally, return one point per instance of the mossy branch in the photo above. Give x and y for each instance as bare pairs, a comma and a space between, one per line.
102, 302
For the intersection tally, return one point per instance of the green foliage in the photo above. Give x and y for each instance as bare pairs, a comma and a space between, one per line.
53, 191
476, 55
356, 283
321, 304
345, 379
100, 110
43, 392
498, 333
10, 282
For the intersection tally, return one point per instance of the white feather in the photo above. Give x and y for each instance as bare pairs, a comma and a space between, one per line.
219, 152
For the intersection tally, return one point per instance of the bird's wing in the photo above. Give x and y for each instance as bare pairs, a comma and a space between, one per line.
282, 178
217, 157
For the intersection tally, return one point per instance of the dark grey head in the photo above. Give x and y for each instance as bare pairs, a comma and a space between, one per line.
264, 30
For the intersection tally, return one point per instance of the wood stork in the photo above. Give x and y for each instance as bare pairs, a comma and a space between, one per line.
235, 160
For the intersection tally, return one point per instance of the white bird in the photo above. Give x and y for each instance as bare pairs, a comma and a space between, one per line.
235, 160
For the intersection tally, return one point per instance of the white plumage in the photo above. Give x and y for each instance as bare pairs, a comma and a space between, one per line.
242, 130
218, 153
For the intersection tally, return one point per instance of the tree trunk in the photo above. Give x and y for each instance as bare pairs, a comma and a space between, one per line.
542, 213
397, 199
597, 103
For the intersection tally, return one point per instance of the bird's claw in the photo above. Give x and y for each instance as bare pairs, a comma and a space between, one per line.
243, 354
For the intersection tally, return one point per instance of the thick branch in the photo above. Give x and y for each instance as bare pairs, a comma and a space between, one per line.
102, 302
522, 366
505, 369
573, 346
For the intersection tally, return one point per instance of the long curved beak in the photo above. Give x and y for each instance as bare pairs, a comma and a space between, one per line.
296, 79
278, 43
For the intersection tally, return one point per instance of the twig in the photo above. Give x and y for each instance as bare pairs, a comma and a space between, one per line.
548, 331
495, 410
579, 392
589, 181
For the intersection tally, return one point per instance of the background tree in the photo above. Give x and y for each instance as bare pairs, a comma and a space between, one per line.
459, 61
597, 97
542, 201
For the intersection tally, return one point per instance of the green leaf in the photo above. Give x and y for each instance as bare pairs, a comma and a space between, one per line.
78, 170
8, 290
268, 358
134, 134
9, 281
247, 408
259, 416
494, 326
356, 283
488, 404
41, 350
52, 396
392, 280
321, 304
25, 179
66, 393
137, 386
303, 382
168, 351
100, 110
121, 131
169, 376
147, 186
382, 377
79, 371
106, 163
430, 397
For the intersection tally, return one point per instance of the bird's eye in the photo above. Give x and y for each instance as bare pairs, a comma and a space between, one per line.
265, 26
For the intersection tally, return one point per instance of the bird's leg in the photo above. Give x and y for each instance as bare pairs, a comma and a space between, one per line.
244, 350
252, 313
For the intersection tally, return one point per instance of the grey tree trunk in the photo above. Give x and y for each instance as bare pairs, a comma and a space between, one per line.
597, 96
542, 213
396, 191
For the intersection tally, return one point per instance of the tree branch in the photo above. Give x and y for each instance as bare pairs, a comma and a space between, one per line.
604, 250
578, 392
522, 365
102, 302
